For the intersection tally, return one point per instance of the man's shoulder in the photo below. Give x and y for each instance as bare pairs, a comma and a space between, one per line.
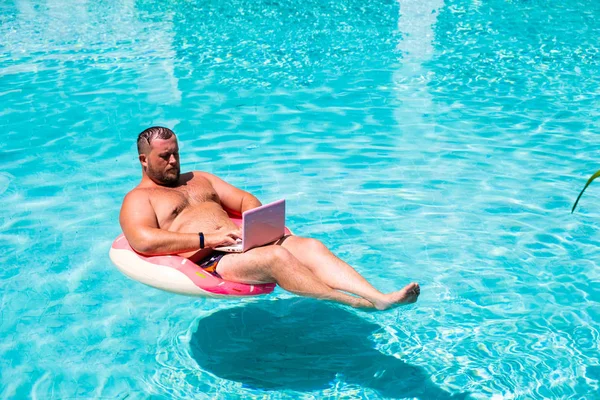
203, 174
198, 177
137, 193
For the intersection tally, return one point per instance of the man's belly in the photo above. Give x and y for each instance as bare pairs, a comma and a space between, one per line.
205, 217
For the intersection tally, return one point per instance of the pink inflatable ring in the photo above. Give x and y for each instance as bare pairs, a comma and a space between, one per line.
178, 274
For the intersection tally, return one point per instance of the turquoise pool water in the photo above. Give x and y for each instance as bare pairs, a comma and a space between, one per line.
436, 141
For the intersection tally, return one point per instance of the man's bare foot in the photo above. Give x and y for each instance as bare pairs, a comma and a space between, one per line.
407, 295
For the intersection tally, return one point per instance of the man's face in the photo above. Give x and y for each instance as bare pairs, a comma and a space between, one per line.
162, 162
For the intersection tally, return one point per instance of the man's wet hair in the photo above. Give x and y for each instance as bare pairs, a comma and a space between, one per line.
147, 136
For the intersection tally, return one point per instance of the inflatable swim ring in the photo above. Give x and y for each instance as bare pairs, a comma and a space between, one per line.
178, 274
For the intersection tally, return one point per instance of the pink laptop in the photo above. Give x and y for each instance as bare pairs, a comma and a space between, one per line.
260, 226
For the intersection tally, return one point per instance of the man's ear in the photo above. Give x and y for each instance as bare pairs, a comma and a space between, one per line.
143, 160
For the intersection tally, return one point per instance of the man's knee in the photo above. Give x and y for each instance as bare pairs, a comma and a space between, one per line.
312, 246
276, 255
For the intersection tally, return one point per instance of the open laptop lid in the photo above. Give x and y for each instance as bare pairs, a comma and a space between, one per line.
263, 225
260, 226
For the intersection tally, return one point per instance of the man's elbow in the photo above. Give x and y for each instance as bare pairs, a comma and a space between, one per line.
143, 245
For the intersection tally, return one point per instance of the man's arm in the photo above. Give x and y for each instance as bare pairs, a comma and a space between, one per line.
232, 198
140, 226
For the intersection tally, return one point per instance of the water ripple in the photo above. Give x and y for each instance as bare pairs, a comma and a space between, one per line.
438, 141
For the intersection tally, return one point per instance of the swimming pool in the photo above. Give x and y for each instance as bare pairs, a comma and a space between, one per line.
436, 141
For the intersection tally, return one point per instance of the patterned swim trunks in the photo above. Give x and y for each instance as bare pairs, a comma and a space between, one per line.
210, 262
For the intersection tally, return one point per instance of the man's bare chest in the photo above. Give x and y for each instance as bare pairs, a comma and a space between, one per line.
169, 203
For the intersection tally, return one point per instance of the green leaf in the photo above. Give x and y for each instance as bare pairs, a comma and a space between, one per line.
597, 174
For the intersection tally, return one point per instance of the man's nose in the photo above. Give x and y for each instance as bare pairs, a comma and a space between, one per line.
172, 159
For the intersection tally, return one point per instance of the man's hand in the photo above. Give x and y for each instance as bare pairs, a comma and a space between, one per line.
222, 237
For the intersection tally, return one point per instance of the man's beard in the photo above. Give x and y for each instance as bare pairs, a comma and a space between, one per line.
170, 180
163, 178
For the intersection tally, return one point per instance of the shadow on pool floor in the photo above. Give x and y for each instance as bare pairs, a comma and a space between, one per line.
301, 345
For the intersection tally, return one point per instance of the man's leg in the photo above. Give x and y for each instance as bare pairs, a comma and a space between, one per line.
339, 275
276, 264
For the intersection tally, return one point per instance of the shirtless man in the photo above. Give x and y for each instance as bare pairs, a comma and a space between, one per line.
167, 211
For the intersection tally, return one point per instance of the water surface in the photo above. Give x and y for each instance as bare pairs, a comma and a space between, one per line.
436, 141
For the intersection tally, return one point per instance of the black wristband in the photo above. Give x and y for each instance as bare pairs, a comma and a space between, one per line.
201, 239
